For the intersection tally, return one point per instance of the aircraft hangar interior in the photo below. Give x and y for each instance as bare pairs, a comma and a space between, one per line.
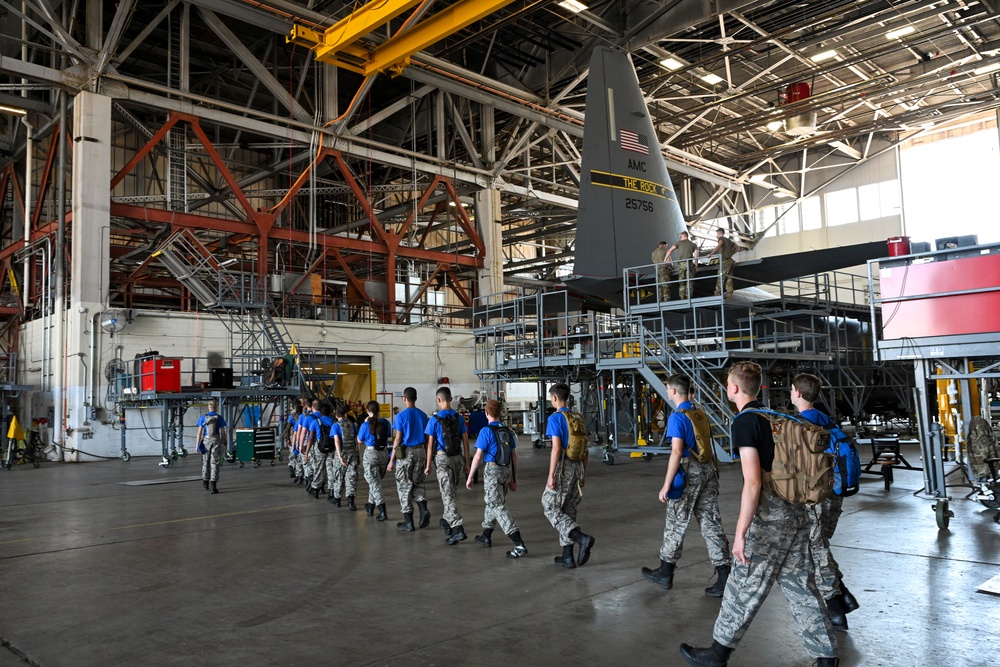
450, 266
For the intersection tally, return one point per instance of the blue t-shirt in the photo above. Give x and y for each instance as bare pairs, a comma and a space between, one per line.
680, 426
814, 416
487, 441
366, 436
221, 423
411, 422
558, 427
314, 425
434, 428
293, 419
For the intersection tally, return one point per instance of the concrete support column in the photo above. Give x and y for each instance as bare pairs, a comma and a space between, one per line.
89, 274
488, 217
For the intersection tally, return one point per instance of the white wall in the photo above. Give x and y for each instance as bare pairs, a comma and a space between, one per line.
401, 356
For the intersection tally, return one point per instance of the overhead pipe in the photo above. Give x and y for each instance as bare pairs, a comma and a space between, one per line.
59, 275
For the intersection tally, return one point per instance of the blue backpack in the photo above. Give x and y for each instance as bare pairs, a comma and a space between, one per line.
846, 463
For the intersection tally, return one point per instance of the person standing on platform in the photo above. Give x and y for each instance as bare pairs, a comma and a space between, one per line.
409, 459
700, 497
374, 435
564, 486
824, 516
662, 271
342, 466
725, 249
500, 474
211, 437
771, 544
448, 448
687, 254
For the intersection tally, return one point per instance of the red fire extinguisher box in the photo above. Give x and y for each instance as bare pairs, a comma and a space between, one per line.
160, 375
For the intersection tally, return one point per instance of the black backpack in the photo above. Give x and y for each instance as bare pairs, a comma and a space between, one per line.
450, 435
506, 440
211, 428
325, 442
381, 435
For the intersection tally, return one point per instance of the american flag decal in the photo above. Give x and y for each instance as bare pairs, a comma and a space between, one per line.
631, 141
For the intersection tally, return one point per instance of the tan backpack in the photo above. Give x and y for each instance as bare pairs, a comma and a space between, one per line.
578, 443
802, 471
703, 435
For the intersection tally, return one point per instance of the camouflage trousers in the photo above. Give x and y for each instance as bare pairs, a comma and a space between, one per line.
663, 280
211, 462
343, 476
684, 274
307, 466
777, 547
823, 519
296, 464
410, 478
495, 481
374, 463
317, 460
701, 499
449, 472
726, 277
560, 504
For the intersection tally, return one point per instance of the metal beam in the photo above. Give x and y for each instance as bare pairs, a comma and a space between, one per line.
359, 23
141, 37
114, 33
280, 92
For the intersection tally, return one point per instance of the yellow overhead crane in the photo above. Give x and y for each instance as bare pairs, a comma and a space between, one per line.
338, 44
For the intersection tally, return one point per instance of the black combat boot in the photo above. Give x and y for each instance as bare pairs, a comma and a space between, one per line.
662, 576
204, 483
837, 616
586, 543
566, 560
457, 535
291, 473
445, 526
370, 509
297, 480
214, 488
406, 525
350, 504
827, 662
519, 549
847, 601
425, 515
719, 587
382, 516
334, 500
308, 482
716, 655
315, 492
486, 539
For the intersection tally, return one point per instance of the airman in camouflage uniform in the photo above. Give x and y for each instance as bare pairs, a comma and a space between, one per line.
342, 466
211, 439
562, 494
771, 544
321, 422
375, 459
450, 469
409, 426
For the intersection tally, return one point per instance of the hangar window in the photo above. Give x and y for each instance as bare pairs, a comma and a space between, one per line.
811, 213
788, 219
878, 200
841, 207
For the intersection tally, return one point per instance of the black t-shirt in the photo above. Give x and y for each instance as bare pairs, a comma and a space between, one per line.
754, 431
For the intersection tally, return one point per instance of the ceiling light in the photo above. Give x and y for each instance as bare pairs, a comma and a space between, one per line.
672, 64
14, 110
574, 6
711, 79
986, 69
775, 125
900, 32
823, 55
782, 194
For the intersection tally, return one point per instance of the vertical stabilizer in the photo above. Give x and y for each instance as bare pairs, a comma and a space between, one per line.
627, 202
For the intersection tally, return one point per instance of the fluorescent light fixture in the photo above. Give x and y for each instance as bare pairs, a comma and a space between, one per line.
823, 55
900, 32
775, 125
14, 110
783, 194
574, 6
711, 79
672, 64
986, 69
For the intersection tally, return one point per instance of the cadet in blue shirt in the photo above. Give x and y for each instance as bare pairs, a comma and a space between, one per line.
374, 435
562, 494
410, 458
497, 478
700, 497
211, 438
315, 460
301, 436
294, 460
450, 468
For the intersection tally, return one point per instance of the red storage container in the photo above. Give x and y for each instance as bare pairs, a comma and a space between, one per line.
796, 92
160, 375
898, 245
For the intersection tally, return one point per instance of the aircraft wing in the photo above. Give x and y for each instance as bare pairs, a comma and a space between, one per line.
798, 264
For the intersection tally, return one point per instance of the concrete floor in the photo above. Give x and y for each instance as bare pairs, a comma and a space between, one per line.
99, 573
